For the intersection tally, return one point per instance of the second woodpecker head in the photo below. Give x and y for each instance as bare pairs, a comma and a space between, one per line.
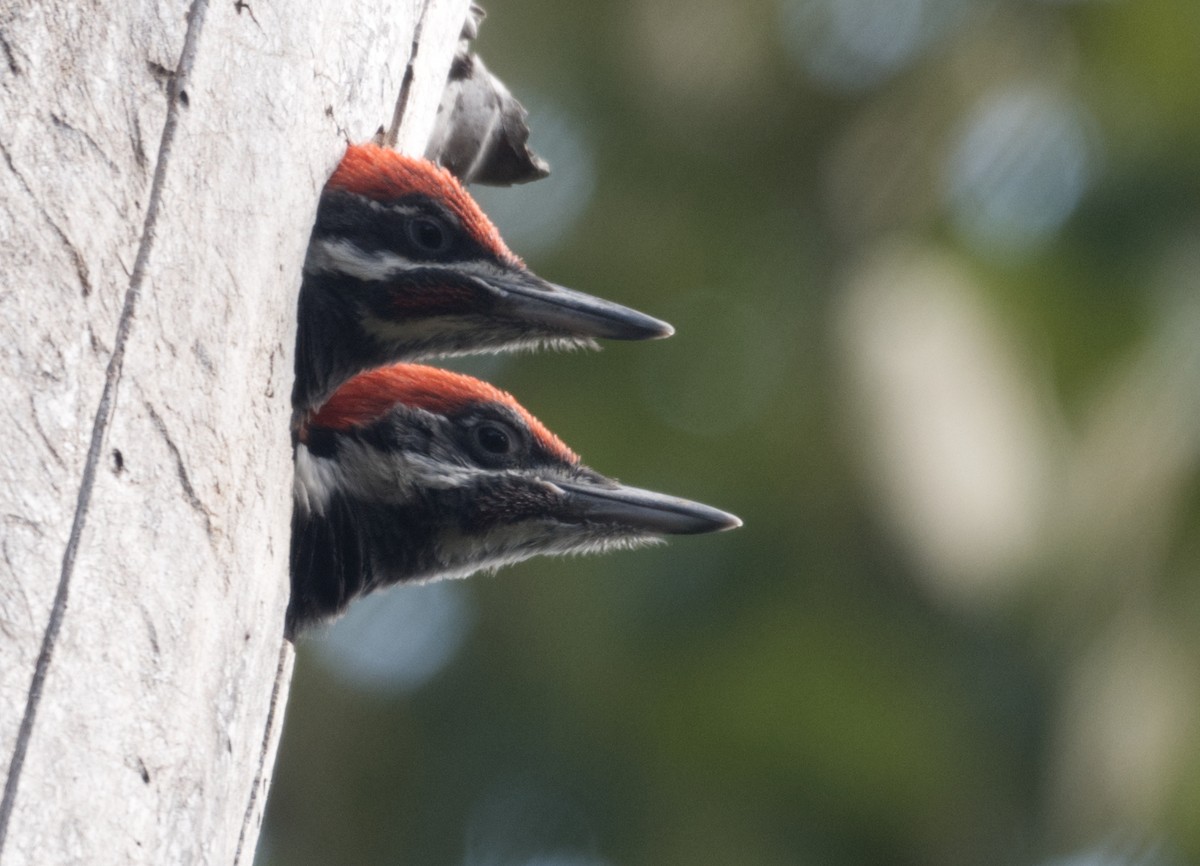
403, 265
412, 473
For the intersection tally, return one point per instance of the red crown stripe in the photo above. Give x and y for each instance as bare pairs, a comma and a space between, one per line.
381, 174
369, 396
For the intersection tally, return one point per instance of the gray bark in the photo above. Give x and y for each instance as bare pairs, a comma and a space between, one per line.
161, 167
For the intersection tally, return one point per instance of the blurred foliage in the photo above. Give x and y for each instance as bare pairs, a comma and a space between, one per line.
935, 269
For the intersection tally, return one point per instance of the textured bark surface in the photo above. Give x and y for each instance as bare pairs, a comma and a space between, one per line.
161, 166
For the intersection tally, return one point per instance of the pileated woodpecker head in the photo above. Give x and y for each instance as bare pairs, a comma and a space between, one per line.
411, 473
402, 265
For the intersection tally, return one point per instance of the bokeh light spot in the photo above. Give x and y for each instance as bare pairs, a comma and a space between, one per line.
521, 822
854, 44
1019, 168
948, 420
399, 639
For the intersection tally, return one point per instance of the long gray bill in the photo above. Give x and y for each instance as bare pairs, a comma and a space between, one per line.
570, 313
645, 510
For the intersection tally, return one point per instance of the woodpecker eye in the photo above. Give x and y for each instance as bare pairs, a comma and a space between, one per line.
494, 440
428, 234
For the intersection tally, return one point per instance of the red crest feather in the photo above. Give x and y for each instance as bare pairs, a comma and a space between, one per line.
381, 173
369, 396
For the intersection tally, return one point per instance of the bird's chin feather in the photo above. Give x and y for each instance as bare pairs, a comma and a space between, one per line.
557, 344
622, 542
452, 336
461, 555
524, 346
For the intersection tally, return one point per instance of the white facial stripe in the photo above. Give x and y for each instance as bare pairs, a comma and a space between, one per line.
374, 476
377, 476
404, 210
315, 480
434, 474
407, 210
341, 256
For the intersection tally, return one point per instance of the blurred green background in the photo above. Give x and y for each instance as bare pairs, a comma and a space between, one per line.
935, 270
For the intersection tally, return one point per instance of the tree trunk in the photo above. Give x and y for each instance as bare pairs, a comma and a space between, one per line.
161, 167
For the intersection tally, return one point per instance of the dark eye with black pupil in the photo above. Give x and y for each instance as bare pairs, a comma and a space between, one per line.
428, 234
493, 440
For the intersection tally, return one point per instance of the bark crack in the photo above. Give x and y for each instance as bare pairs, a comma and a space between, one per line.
189, 492
11, 59
63, 124
393, 132
46, 440
103, 419
264, 749
76, 258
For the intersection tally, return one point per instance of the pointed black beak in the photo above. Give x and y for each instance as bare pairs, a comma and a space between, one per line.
526, 297
643, 510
